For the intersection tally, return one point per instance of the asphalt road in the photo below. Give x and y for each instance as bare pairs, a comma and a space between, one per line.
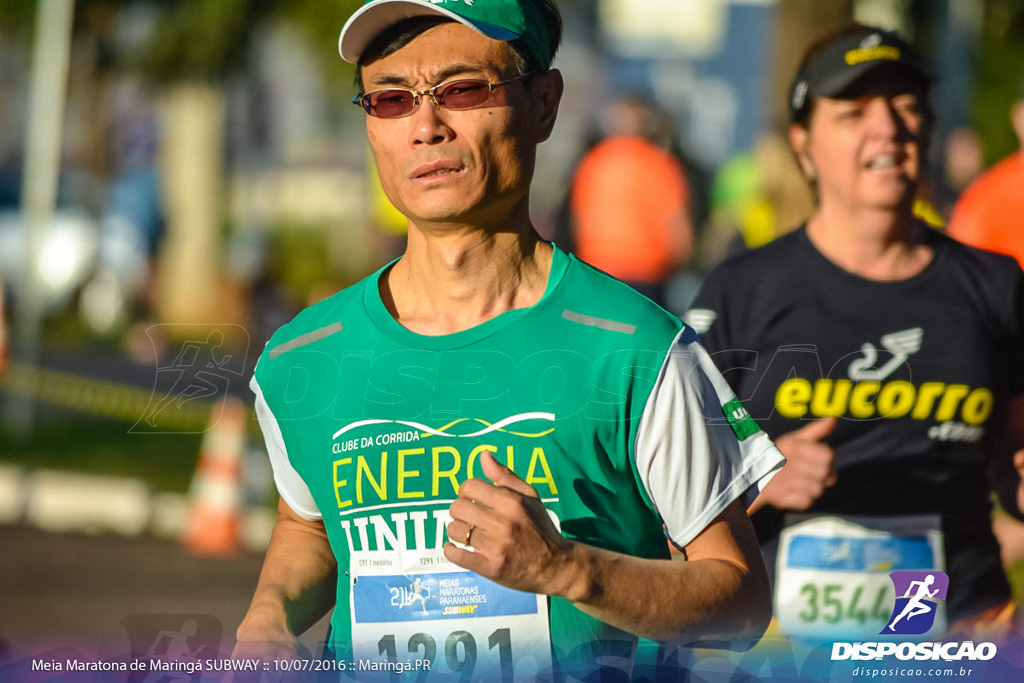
107, 595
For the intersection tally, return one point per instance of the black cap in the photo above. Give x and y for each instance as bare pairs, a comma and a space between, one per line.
838, 65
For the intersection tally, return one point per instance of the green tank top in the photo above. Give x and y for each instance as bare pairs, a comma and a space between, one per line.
599, 399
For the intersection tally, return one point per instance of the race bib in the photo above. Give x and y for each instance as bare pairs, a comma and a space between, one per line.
832, 573
415, 613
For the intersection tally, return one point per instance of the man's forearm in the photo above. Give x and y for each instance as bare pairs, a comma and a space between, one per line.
709, 602
705, 600
719, 596
297, 584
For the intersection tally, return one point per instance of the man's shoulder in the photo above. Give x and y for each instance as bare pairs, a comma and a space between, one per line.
1002, 179
594, 299
1007, 168
320, 320
611, 153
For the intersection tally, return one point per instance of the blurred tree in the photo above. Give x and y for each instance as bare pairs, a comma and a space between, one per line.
201, 40
198, 46
798, 23
16, 17
999, 76
321, 22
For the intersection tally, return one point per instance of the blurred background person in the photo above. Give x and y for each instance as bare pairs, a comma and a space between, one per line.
630, 203
132, 223
990, 213
881, 355
757, 195
963, 160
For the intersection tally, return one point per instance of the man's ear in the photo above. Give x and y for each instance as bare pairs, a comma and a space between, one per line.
798, 140
547, 88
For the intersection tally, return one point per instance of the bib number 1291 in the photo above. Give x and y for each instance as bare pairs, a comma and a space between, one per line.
459, 652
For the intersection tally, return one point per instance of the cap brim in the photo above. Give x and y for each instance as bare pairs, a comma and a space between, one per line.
838, 82
371, 19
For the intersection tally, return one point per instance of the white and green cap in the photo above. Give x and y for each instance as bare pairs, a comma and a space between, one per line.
505, 20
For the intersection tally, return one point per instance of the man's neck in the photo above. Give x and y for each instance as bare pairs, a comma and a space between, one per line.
452, 281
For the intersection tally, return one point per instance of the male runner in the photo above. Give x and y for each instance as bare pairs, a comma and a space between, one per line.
487, 413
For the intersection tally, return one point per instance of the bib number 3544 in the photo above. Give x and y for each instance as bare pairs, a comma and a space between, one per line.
832, 575
833, 603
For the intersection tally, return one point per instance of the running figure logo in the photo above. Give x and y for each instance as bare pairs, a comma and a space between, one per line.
917, 598
192, 388
413, 594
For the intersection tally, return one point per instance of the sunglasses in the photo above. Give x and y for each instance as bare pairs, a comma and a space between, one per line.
466, 93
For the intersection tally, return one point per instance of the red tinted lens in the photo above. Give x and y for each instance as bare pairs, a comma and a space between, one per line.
463, 94
388, 104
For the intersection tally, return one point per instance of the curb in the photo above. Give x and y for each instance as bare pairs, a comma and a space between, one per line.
58, 501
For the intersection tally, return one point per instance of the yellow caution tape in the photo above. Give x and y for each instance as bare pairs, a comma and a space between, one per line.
102, 398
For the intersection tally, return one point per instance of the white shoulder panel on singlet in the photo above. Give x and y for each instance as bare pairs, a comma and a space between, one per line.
690, 460
289, 484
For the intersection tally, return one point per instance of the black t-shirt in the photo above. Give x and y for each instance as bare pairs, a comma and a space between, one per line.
918, 372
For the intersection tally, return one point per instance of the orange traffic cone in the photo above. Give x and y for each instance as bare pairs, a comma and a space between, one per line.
213, 526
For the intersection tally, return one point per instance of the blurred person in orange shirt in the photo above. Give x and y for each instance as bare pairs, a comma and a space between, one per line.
990, 212
630, 203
